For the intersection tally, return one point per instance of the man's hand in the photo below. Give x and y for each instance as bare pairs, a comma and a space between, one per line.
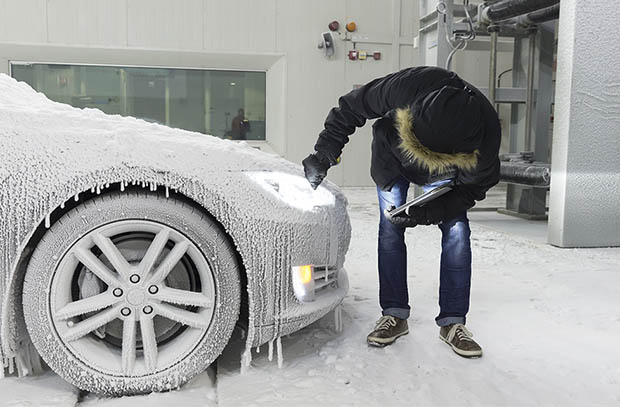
315, 168
412, 217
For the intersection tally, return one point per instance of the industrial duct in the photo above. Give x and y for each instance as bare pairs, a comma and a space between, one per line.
531, 174
507, 9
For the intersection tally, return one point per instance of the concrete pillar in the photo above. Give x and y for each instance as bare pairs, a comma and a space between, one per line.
585, 184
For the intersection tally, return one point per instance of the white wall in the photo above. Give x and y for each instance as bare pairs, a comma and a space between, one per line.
279, 36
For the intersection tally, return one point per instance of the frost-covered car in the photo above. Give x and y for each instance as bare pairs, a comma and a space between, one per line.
130, 250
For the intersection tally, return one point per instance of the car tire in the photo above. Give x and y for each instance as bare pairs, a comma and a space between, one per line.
159, 331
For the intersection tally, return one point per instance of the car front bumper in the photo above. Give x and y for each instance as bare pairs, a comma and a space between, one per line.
301, 314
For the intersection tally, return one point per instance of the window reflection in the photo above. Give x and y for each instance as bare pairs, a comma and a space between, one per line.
228, 104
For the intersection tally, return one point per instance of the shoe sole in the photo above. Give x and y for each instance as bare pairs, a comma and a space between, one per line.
382, 342
470, 354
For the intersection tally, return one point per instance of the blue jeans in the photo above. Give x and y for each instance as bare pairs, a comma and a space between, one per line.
455, 269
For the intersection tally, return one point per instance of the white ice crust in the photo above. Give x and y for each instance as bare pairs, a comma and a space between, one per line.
51, 152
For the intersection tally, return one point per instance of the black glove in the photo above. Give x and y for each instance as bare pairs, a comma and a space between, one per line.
315, 168
412, 217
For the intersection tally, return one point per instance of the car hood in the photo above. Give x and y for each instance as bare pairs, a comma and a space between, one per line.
39, 126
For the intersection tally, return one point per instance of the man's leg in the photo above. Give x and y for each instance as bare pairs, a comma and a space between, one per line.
455, 271
454, 286
392, 254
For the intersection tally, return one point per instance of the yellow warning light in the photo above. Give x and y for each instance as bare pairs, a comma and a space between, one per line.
305, 274
303, 282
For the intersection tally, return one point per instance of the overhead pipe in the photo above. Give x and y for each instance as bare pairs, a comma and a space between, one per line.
540, 16
507, 9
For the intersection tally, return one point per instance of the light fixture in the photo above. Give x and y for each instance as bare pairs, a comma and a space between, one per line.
303, 282
293, 190
232, 83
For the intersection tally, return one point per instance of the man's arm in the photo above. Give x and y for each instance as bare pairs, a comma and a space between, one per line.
371, 101
448, 206
464, 195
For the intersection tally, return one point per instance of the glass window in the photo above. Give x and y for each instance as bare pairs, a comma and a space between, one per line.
228, 104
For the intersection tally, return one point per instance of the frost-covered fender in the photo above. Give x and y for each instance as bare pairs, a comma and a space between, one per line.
50, 152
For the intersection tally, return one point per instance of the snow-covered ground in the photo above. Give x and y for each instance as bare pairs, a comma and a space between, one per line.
547, 318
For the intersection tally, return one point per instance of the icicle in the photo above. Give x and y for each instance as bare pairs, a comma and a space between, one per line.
35, 360
62, 205
270, 352
92, 190
107, 185
280, 355
76, 197
122, 186
98, 189
167, 192
338, 318
246, 359
21, 363
48, 221
257, 349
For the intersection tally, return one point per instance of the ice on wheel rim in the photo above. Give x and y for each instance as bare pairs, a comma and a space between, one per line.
131, 298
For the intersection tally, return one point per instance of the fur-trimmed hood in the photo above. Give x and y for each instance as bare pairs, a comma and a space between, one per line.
435, 162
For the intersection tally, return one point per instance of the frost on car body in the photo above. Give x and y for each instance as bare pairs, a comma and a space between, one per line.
51, 153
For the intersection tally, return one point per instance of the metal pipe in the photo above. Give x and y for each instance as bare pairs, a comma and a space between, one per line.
529, 97
530, 19
493, 63
507, 9
522, 173
540, 16
499, 85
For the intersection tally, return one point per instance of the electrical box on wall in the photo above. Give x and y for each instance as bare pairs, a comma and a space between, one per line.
327, 44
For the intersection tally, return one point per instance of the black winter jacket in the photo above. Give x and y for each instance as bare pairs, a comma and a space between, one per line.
392, 98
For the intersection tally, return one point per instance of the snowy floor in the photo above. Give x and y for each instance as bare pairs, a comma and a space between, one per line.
547, 318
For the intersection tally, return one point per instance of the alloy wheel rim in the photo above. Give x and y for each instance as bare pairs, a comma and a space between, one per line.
134, 289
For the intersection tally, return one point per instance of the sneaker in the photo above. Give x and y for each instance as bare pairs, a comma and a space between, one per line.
460, 339
387, 330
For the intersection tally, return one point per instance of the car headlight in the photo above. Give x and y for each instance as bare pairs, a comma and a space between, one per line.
293, 190
303, 282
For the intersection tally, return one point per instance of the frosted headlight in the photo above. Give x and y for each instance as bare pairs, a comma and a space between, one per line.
293, 190
303, 282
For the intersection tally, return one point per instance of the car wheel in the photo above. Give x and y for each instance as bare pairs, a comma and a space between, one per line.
132, 293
